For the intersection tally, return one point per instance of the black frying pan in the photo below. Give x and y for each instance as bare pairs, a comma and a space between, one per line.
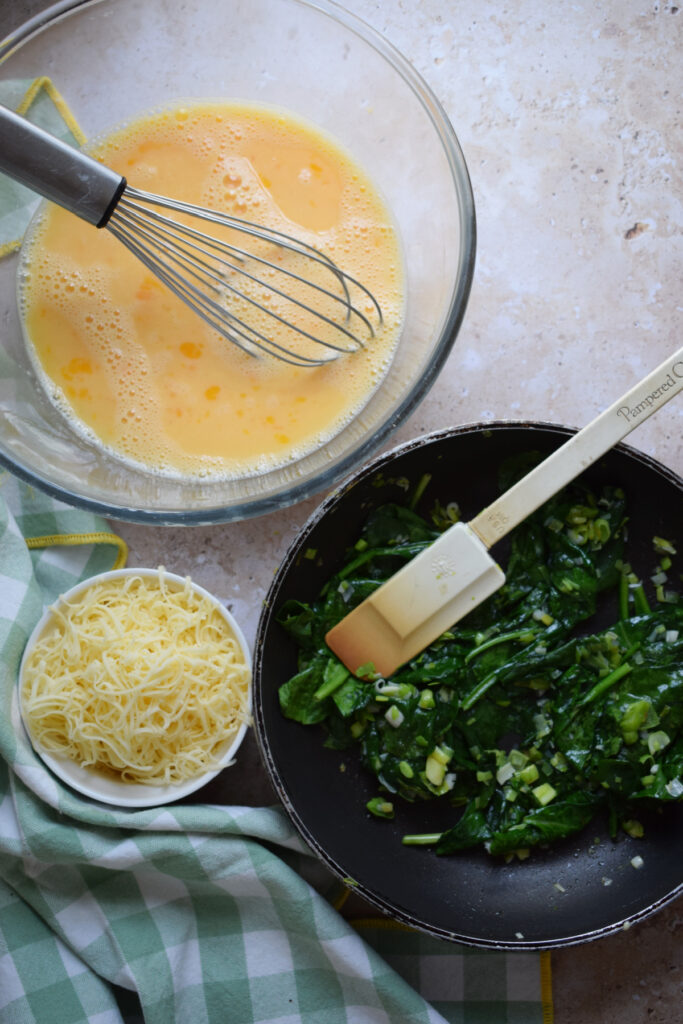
468, 897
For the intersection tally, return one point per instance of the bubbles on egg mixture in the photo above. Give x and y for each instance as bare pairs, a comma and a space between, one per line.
141, 373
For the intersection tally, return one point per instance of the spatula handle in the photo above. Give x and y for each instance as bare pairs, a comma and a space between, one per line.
580, 451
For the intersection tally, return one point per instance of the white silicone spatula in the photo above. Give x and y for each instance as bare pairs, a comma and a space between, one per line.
456, 573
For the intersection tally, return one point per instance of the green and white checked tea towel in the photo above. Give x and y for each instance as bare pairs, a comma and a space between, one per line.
206, 912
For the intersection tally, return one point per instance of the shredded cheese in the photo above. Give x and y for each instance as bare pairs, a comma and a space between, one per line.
137, 677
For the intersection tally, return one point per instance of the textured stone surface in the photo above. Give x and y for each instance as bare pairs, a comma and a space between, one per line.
569, 118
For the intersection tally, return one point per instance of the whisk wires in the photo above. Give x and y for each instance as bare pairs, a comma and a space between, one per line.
261, 288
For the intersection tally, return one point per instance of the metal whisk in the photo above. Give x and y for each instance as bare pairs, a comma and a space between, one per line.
239, 278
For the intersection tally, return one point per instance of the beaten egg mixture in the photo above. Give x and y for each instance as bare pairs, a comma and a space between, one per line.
132, 367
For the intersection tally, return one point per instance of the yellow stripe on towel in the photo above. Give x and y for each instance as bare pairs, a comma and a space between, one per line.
546, 989
74, 539
44, 84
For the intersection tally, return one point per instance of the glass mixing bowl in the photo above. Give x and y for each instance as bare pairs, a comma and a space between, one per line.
114, 59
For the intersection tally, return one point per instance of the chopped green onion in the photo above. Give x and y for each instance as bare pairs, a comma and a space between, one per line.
529, 774
504, 773
423, 839
657, 741
435, 770
542, 616
380, 807
442, 754
517, 759
394, 716
386, 688
541, 725
601, 530
367, 671
544, 793
554, 524
420, 489
426, 701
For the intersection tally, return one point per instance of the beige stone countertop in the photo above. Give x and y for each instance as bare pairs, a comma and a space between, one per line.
569, 116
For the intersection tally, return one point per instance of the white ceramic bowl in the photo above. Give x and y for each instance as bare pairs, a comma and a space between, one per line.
89, 781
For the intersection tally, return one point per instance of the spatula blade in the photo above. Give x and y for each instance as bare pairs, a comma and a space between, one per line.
416, 605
